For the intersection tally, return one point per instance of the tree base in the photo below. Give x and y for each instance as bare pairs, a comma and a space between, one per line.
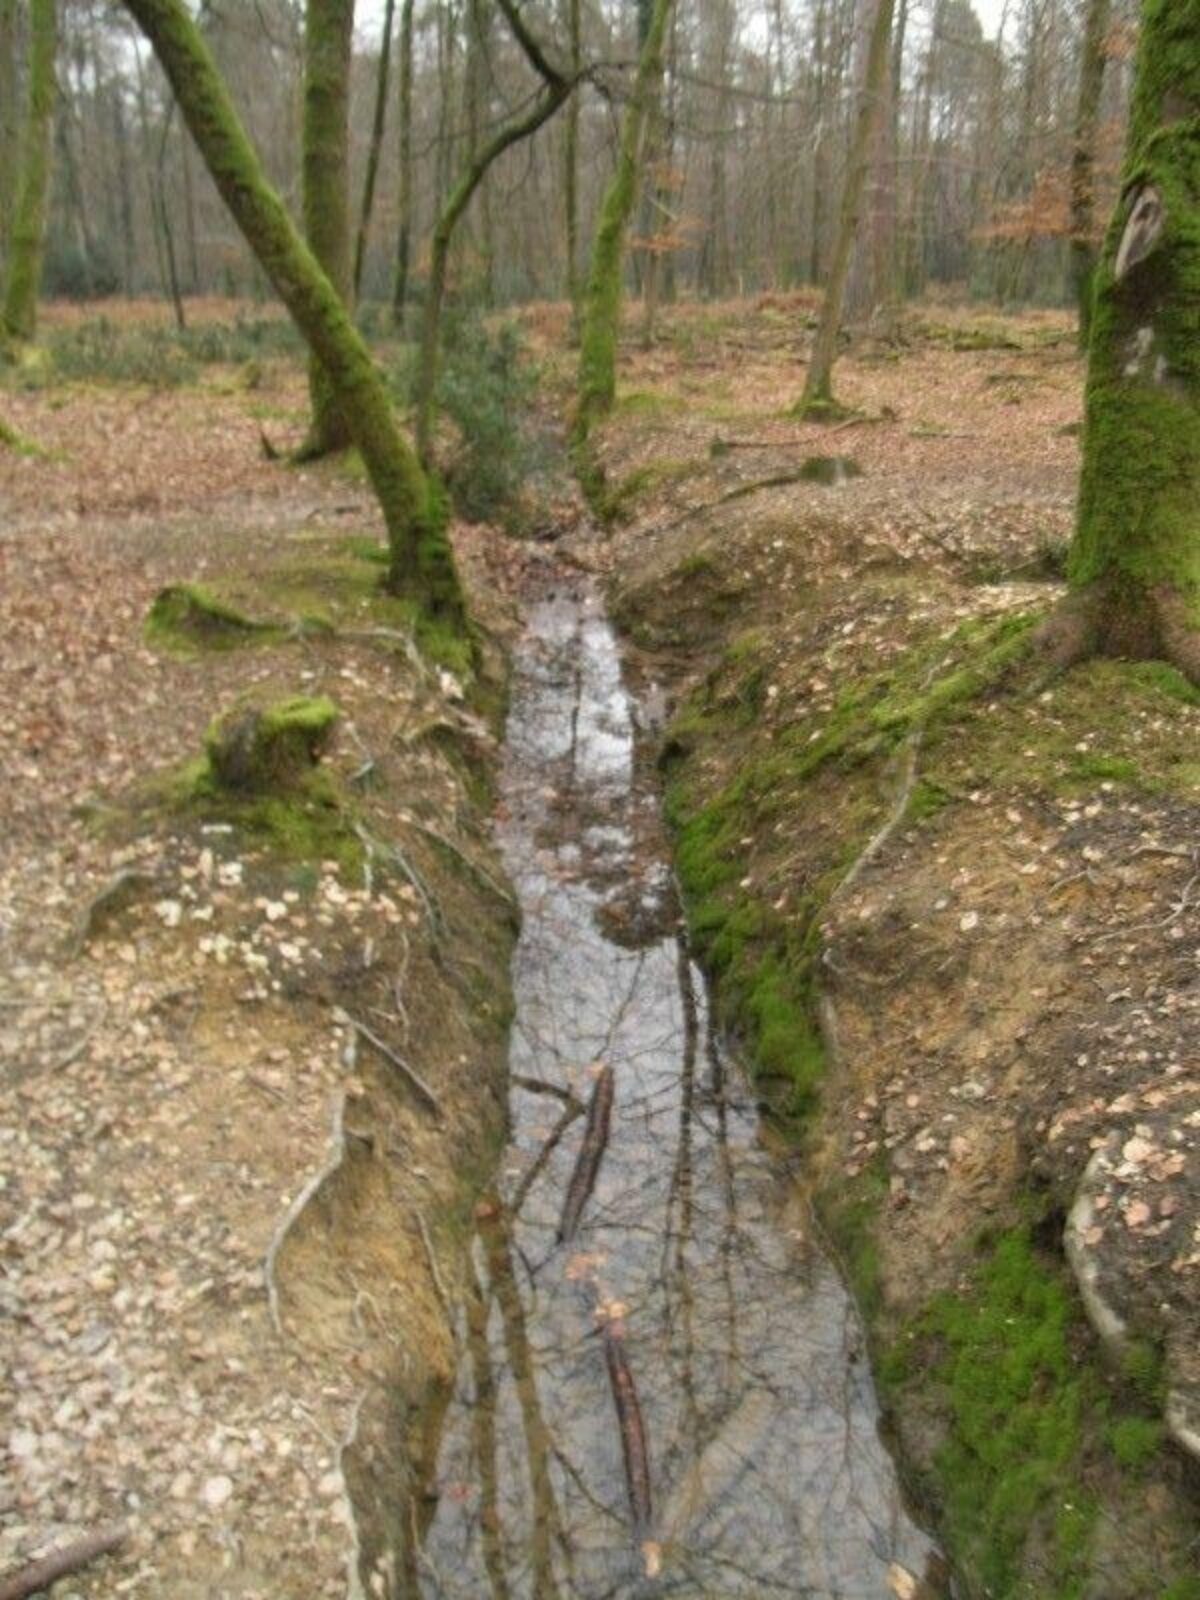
1150, 624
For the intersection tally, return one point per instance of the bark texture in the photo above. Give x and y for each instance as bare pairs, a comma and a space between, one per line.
1083, 160
1135, 560
421, 561
328, 38
602, 299
27, 239
818, 381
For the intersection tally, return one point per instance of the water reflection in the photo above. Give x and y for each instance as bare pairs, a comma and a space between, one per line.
670, 1399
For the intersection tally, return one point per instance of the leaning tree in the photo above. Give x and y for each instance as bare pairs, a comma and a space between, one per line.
1134, 566
421, 563
328, 44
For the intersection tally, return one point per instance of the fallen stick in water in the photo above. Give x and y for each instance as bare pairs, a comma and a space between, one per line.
633, 1438
40, 1574
591, 1153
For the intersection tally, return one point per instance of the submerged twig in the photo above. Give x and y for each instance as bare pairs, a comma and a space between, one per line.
591, 1153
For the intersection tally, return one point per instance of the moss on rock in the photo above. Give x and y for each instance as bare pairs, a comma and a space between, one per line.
260, 750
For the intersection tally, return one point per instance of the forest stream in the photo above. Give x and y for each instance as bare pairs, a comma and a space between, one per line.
662, 1386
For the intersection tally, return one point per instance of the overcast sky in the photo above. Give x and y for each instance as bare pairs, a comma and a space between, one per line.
369, 14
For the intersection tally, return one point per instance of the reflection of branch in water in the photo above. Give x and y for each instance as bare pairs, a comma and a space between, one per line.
681, 1189
573, 1109
544, 1511
631, 1425
483, 1426
591, 1153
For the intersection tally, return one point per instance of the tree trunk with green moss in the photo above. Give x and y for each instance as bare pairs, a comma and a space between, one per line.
602, 297
328, 37
9, 123
1135, 561
421, 564
1083, 161
405, 196
818, 380
27, 237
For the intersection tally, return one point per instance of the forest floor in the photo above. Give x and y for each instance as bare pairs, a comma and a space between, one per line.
888, 819
947, 897
182, 984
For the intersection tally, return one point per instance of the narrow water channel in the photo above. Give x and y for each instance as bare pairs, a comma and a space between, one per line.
662, 1388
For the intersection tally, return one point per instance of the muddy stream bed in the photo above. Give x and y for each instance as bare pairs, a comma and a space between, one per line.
662, 1386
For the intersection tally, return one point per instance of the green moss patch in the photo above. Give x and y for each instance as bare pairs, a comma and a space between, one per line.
259, 750
829, 471
186, 619
1034, 1427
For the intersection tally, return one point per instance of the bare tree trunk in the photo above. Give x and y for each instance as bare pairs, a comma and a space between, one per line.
602, 302
405, 194
1135, 561
818, 383
1083, 158
27, 239
377, 126
421, 563
571, 161
328, 36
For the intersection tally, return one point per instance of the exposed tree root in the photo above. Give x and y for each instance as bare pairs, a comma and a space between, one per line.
1153, 625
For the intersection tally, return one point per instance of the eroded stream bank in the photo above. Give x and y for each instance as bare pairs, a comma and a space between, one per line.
662, 1385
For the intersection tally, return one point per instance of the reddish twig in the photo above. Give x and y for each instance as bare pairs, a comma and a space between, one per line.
631, 1425
40, 1574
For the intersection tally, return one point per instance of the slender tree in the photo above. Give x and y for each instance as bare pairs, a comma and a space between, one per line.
405, 197
556, 87
376, 145
571, 160
818, 382
1083, 160
9, 121
421, 563
1134, 566
27, 240
602, 299
328, 38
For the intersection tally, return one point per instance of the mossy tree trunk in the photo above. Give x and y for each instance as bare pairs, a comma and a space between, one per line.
9, 123
328, 38
27, 237
1135, 561
1083, 160
602, 298
405, 196
421, 561
376, 145
818, 380
557, 89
